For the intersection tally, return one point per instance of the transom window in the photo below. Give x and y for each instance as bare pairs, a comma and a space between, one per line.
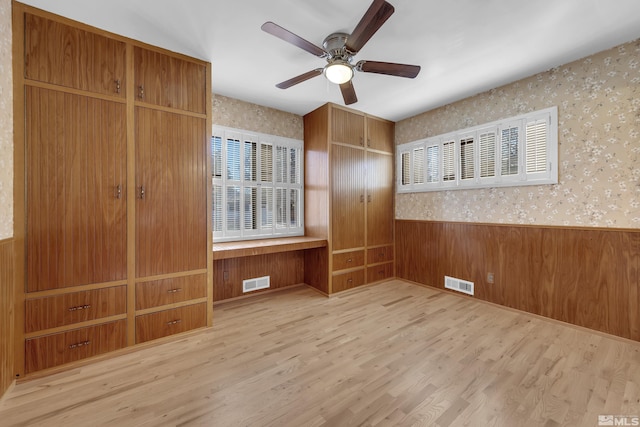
521, 150
257, 185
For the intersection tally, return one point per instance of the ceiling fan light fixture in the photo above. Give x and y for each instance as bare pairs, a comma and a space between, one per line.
338, 72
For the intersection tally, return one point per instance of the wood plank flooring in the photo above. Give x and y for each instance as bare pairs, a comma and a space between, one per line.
389, 354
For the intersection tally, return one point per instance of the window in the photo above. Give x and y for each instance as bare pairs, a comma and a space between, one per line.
521, 150
257, 185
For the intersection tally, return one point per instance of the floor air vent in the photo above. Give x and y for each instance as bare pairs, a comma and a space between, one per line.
458, 285
255, 284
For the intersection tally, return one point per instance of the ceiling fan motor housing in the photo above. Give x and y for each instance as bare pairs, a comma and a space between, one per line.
334, 45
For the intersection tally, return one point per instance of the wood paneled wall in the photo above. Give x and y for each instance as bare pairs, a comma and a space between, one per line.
7, 300
587, 277
285, 269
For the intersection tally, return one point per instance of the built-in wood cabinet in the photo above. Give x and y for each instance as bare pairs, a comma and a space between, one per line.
117, 192
171, 164
72, 57
168, 81
349, 172
76, 158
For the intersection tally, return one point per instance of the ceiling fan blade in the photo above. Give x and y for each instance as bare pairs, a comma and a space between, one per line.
376, 15
288, 36
348, 93
389, 68
299, 79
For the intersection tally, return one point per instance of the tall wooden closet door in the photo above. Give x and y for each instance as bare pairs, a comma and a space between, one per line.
171, 199
76, 181
348, 197
379, 199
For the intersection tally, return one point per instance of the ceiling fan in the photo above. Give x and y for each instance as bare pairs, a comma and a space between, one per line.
340, 48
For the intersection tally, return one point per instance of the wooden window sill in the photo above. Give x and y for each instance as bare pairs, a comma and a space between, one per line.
245, 248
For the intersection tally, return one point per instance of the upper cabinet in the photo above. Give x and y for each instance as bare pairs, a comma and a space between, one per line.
380, 134
169, 82
347, 127
65, 56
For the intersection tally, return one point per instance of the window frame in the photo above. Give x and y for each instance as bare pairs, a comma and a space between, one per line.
261, 223
456, 141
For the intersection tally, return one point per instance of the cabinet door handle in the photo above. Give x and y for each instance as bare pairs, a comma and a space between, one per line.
368, 142
368, 198
350, 281
119, 191
362, 198
141, 92
79, 307
362, 141
142, 192
349, 260
79, 344
118, 85
174, 322
173, 291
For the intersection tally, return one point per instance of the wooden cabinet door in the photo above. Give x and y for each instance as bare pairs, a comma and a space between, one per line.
379, 199
380, 134
171, 199
347, 197
76, 160
170, 82
62, 55
347, 127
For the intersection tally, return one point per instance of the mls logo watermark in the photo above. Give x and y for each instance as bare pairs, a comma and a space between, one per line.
618, 420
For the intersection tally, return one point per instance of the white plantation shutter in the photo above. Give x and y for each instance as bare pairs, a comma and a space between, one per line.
406, 169
521, 150
233, 208
233, 159
250, 208
418, 165
449, 161
216, 152
250, 161
433, 159
281, 164
266, 162
509, 143
536, 143
294, 166
294, 207
257, 185
266, 206
487, 153
217, 208
281, 207
467, 169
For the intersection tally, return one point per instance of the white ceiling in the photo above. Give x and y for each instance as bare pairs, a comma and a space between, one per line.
464, 46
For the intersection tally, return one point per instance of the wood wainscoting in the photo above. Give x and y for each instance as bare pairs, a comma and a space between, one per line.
584, 276
7, 299
285, 269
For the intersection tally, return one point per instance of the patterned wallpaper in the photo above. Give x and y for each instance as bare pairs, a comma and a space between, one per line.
6, 123
243, 115
598, 101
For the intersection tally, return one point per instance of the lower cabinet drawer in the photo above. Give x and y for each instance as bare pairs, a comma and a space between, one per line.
168, 322
379, 272
65, 347
74, 307
381, 254
346, 260
344, 281
169, 291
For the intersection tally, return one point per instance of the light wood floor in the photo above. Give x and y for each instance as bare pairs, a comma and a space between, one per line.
389, 354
